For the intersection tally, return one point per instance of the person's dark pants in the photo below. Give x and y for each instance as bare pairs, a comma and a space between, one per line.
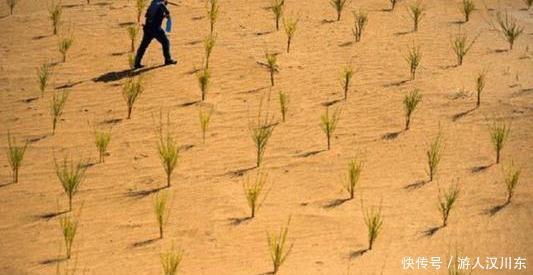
148, 36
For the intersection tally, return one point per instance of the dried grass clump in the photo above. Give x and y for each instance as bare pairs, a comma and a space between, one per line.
161, 210
374, 223
354, 172
512, 174
413, 59
339, 5
65, 44
461, 47
205, 118
283, 104
417, 11
467, 8
101, 140
69, 227
203, 76
277, 9
213, 9
480, 86
170, 261
272, 65
434, 155
346, 77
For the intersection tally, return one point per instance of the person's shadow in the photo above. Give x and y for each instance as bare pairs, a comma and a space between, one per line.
118, 75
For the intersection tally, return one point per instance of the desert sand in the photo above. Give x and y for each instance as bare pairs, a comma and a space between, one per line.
117, 233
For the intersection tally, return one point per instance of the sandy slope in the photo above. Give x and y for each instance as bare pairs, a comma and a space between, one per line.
117, 230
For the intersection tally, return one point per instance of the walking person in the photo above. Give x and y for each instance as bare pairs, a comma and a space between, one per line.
155, 14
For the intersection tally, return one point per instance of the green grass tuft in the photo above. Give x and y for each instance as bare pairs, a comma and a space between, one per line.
64, 45
434, 155
499, 133
272, 65
512, 175
414, 57
461, 47
205, 118
209, 44
55, 10
161, 210
417, 11
328, 123
253, 191
43, 75
279, 249
283, 104
338, 5
70, 175
101, 140
168, 149
354, 172
447, 202
480, 86
509, 28
346, 77
133, 32
261, 130
57, 105
213, 9
69, 227
410, 102
374, 223
467, 8
203, 76
171, 260
15, 155
132, 89
276, 6
361, 20
290, 25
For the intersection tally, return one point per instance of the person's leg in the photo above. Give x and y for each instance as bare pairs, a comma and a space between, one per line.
147, 38
162, 38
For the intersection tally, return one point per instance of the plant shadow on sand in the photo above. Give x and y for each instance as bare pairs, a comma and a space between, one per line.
143, 193
240, 172
334, 203
118, 75
238, 221
310, 153
391, 135
53, 261
462, 114
415, 185
50, 215
481, 168
145, 242
495, 209
358, 253
432, 230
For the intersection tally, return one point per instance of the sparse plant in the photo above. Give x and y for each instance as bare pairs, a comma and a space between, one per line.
509, 28
461, 47
140, 5
434, 155
289, 25
203, 76
15, 155
410, 101
69, 227
212, 12
454, 261
43, 75
480, 86
132, 89
253, 191
65, 44
70, 174
272, 65
528, 3
261, 130
413, 59
205, 119
346, 77
354, 172
339, 5
467, 8
279, 249
393, 4
499, 133
55, 11
209, 44
447, 202
56, 108
102, 139
133, 32
277, 9
417, 11
361, 20
283, 104
161, 210
328, 123
512, 174
374, 223
131, 61
168, 150
11, 4
170, 261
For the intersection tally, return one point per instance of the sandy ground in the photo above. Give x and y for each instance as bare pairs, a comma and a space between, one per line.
118, 233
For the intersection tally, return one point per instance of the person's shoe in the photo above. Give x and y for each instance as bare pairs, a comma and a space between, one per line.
138, 66
170, 62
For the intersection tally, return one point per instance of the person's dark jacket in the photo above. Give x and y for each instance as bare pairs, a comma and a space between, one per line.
155, 14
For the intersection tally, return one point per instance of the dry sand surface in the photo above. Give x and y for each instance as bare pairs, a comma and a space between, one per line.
117, 232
